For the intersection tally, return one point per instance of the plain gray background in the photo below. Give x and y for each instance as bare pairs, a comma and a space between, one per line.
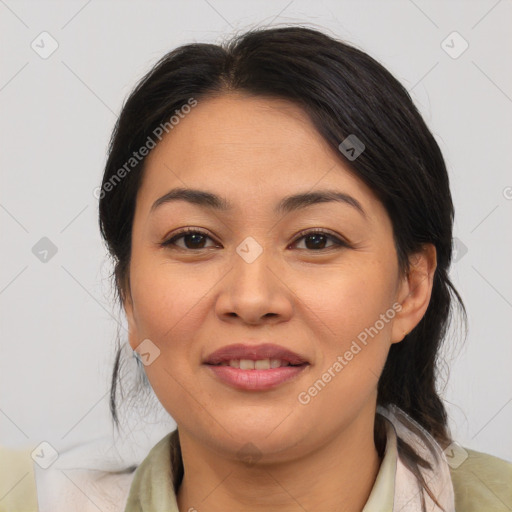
58, 320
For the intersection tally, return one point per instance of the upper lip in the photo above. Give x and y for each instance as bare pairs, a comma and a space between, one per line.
254, 353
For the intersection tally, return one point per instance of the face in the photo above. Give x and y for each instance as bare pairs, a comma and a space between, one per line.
293, 284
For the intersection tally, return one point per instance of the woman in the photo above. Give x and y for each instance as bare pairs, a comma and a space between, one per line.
282, 256
280, 220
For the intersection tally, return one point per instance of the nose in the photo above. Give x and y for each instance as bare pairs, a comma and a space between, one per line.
255, 292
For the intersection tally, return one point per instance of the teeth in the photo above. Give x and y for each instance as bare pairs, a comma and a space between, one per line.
260, 364
264, 364
246, 364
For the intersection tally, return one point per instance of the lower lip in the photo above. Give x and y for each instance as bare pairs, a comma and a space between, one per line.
256, 380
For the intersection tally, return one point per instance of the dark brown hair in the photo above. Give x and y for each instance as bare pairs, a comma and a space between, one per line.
345, 92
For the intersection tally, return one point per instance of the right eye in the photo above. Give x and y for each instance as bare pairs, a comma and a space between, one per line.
193, 239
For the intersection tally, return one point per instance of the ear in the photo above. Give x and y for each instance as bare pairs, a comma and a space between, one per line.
414, 292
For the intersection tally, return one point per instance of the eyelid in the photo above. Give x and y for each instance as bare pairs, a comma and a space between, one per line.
185, 231
338, 240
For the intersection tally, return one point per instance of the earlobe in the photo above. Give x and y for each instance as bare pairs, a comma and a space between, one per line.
415, 292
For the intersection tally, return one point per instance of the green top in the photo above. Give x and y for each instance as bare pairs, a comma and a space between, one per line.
481, 482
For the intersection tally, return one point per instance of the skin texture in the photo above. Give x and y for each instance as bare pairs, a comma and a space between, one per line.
191, 301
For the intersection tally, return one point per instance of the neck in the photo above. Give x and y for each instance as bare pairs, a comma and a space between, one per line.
336, 476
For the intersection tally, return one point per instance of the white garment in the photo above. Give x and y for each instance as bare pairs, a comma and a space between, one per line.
407, 490
83, 479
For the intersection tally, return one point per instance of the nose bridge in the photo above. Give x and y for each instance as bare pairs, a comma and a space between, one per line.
254, 290
252, 264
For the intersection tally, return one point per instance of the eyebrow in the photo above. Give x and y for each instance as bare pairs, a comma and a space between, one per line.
286, 205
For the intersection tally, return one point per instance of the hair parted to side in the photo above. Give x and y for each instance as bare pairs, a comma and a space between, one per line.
344, 91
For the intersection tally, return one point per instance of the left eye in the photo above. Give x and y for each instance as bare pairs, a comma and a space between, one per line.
315, 240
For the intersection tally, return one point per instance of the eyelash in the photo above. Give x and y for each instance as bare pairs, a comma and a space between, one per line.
303, 234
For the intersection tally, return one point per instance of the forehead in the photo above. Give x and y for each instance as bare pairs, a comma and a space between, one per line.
246, 147
238, 118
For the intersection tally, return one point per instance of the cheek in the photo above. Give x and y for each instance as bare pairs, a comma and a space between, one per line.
168, 302
350, 299
170, 306
353, 315
165, 312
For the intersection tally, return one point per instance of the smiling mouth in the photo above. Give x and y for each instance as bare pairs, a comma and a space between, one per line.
256, 375
250, 367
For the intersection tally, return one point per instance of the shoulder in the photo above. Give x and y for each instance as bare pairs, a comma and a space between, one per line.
17, 481
481, 482
26, 486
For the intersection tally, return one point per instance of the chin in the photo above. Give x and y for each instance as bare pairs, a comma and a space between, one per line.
259, 439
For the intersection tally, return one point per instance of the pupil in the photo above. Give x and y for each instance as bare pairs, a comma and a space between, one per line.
317, 238
196, 239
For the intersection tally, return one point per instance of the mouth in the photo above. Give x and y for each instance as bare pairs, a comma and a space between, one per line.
255, 367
